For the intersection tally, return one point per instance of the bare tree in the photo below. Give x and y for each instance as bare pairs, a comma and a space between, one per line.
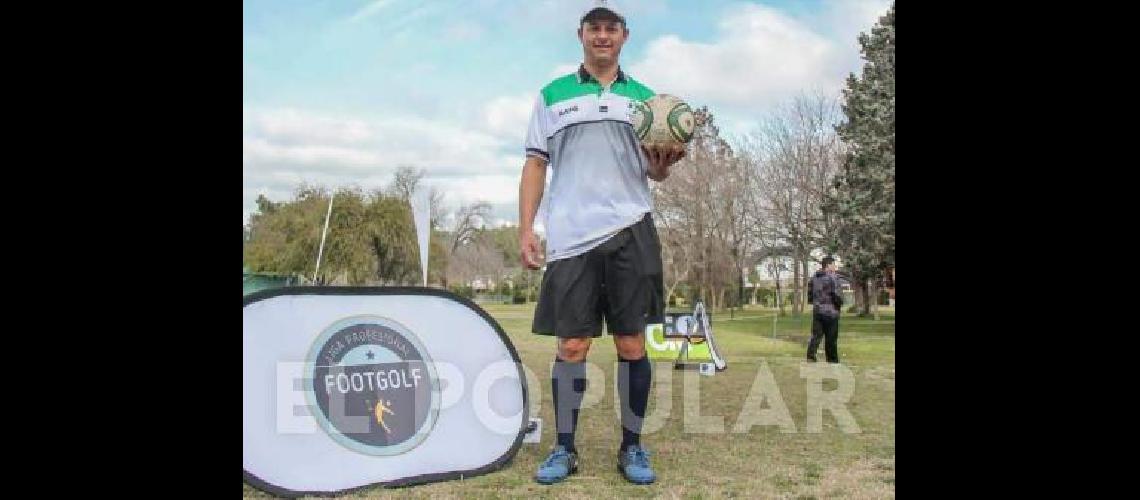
704, 214
405, 181
477, 259
776, 262
469, 219
404, 184
674, 257
741, 224
795, 156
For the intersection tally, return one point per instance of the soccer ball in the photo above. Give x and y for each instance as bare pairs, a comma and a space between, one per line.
663, 120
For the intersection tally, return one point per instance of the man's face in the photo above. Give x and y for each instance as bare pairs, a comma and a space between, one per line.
602, 40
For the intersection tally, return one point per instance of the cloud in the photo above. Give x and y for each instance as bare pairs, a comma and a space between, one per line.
761, 57
495, 189
291, 138
472, 148
507, 117
290, 126
844, 20
282, 148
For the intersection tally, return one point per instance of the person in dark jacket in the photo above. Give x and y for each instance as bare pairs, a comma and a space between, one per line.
827, 302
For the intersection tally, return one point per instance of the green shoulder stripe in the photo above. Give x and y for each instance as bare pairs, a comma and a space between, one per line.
565, 88
633, 89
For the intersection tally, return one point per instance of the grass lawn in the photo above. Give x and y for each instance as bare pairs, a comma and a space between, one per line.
691, 455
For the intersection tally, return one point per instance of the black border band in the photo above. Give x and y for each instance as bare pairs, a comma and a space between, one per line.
587, 122
538, 152
272, 489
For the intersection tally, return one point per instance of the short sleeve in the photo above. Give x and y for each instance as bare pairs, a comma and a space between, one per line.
538, 131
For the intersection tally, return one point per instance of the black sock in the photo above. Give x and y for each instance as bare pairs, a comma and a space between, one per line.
634, 377
568, 380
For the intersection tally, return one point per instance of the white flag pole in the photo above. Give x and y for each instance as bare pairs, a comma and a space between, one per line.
324, 233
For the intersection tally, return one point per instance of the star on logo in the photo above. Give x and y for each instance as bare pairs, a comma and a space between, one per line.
370, 355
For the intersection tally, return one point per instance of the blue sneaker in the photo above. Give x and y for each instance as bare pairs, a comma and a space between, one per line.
634, 465
557, 466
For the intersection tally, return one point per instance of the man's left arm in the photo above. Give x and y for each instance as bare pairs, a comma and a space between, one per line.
838, 292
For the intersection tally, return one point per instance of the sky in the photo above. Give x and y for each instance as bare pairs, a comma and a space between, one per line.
343, 92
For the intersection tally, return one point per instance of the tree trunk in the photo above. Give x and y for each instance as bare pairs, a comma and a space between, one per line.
796, 306
807, 281
857, 304
874, 288
779, 297
676, 281
864, 285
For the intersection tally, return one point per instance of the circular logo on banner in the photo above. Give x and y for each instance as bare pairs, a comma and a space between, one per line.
372, 386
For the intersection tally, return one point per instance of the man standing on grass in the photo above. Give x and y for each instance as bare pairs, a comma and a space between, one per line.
827, 302
603, 253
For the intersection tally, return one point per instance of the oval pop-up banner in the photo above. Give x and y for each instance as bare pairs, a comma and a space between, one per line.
348, 387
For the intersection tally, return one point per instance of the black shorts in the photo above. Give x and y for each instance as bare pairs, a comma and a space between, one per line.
619, 281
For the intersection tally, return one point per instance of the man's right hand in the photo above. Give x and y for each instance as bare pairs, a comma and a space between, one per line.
531, 250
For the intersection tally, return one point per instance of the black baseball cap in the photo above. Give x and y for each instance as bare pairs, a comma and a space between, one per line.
603, 11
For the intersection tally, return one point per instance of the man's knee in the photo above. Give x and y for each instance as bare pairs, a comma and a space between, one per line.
573, 349
630, 347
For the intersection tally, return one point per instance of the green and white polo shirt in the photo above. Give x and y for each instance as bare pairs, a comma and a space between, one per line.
599, 184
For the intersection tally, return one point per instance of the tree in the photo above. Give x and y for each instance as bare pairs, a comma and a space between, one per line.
437, 258
391, 235
406, 181
404, 184
477, 259
674, 258
284, 236
703, 217
506, 241
468, 220
795, 156
776, 261
371, 238
861, 203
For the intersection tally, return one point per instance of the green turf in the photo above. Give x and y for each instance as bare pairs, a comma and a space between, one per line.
691, 458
